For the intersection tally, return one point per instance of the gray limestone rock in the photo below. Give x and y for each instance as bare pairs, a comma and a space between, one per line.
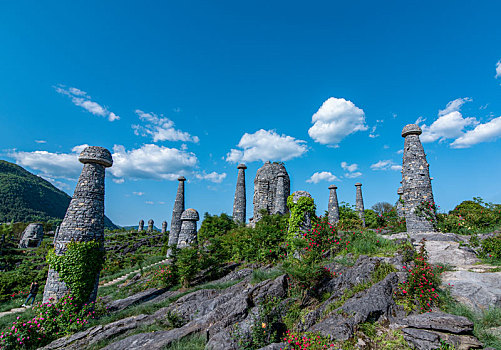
140, 227
145, 295
188, 233
32, 236
175, 224
333, 206
359, 204
439, 321
400, 205
164, 227
280, 203
265, 189
416, 181
150, 225
240, 202
84, 219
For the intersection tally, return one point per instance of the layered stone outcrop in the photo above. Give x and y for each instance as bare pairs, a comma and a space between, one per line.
32, 236
266, 196
84, 219
240, 201
416, 182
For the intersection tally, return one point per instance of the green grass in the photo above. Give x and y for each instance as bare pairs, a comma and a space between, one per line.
482, 321
147, 261
193, 342
263, 275
369, 243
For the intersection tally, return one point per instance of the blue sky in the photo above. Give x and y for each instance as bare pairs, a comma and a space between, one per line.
194, 87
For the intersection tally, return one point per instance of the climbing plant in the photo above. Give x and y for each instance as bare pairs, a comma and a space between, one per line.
298, 211
427, 210
78, 267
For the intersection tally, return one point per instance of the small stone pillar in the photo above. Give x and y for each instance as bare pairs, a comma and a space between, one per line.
359, 205
141, 226
333, 206
150, 225
280, 206
188, 233
306, 224
32, 236
400, 206
175, 225
240, 202
416, 181
164, 227
84, 219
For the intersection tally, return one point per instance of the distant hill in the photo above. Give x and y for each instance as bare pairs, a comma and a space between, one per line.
26, 197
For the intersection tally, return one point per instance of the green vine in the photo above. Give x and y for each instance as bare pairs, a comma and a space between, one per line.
298, 211
427, 210
78, 267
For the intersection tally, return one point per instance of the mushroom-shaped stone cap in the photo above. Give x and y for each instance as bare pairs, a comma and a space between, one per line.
299, 194
181, 178
94, 154
411, 129
190, 214
150, 222
400, 190
241, 166
358, 184
141, 221
332, 187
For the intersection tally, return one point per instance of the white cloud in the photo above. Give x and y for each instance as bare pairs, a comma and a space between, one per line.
322, 176
449, 124
138, 193
40, 141
498, 69
336, 119
350, 168
82, 99
266, 145
400, 151
150, 202
386, 165
482, 133
213, 177
160, 128
118, 181
353, 175
152, 162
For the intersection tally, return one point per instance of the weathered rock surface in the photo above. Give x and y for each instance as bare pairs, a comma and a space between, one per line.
143, 296
32, 236
439, 321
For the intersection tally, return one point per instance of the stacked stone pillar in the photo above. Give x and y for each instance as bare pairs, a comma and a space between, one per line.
141, 226
188, 233
164, 227
333, 206
280, 206
150, 225
240, 201
400, 206
416, 182
175, 225
359, 204
84, 219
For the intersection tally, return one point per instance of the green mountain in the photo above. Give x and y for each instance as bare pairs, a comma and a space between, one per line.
26, 197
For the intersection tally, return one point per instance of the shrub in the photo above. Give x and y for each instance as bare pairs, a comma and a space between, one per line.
162, 276
308, 340
188, 263
491, 247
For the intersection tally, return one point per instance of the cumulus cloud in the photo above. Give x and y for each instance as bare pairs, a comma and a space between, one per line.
353, 175
213, 177
266, 145
160, 128
40, 141
138, 193
386, 165
336, 119
481, 133
347, 167
498, 69
322, 176
82, 99
450, 123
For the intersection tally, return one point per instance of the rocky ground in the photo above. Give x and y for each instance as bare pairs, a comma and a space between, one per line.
226, 316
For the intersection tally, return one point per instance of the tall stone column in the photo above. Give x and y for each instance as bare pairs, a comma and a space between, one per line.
333, 206
164, 227
416, 181
280, 206
359, 205
150, 225
188, 233
175, 224
400, 206
84, 219
141, 226
306, 224
240, 201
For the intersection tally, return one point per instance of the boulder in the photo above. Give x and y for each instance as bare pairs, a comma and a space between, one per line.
439, 321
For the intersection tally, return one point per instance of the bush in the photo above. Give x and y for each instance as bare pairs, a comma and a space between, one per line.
187, 264
491, 247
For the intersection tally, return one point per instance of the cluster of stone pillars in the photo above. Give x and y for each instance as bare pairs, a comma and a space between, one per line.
151, 224
333, 206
